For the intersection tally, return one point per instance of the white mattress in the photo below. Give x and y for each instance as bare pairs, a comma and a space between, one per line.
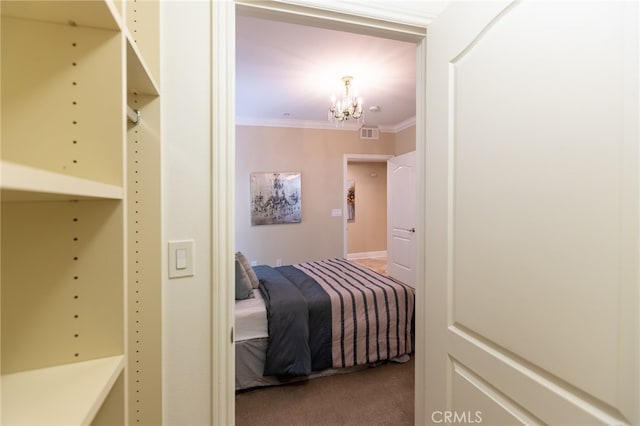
251, 318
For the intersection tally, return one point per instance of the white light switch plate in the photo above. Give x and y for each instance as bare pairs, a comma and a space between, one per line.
180, 258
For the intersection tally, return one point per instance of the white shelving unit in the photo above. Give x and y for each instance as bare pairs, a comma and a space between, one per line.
24, 183
143, 218
87, 385
68, 70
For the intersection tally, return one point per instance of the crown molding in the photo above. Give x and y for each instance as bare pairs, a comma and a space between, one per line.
409, 122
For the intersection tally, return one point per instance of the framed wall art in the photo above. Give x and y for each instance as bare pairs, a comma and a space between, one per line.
351, 200
275, 198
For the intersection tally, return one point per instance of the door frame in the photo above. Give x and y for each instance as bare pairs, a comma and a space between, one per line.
354, 158
223, 18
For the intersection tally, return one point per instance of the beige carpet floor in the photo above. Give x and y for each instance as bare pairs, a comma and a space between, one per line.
383, 395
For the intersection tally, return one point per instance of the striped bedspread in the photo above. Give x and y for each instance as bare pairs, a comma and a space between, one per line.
371, 316
333, 314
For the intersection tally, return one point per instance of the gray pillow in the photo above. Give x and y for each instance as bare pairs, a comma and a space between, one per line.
243, 284
248, 269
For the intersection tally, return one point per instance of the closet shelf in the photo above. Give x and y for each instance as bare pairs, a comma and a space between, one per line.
24, 183
96, 14
69, 394
139, 77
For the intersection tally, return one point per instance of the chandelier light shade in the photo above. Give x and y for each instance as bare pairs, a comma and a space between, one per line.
348, 106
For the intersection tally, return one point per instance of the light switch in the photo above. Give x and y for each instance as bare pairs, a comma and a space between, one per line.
180, 258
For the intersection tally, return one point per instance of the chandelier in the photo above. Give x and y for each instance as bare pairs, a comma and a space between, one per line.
347, 107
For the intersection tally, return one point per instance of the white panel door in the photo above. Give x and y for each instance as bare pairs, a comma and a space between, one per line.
401, 218
531, 224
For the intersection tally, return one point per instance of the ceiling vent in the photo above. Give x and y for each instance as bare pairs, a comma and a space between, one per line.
369, 132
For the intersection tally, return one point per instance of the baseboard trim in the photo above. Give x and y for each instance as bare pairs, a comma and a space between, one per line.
366, 254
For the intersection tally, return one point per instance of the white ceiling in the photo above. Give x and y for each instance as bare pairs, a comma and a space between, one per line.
287, 73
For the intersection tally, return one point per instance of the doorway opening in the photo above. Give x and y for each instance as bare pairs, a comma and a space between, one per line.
365, 218
224, 136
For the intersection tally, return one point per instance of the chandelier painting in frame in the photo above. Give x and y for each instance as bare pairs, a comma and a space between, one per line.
275, 198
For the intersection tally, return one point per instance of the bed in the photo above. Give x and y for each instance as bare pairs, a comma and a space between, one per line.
317, 318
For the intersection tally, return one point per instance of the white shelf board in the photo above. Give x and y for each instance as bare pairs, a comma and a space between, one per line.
69, 394
96, 14
139, 77
24, 183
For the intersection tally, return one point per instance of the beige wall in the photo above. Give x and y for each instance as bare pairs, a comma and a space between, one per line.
368, 231
405, 141
318, 156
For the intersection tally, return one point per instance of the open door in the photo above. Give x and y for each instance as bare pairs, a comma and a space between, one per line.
401, 218
532, 219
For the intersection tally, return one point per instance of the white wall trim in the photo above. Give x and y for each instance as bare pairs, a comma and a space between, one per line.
222, 211
420, 16
321, 125
409, 122
420, 415
297, 124
367, 255
366, 158
371, 18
